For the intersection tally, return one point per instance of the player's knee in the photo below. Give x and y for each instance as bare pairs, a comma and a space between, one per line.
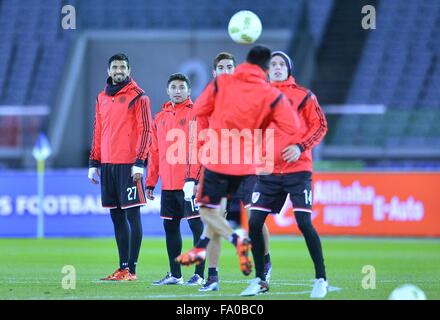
118, 216
134, 217
171, 226
196, 225
255, 224
304, 221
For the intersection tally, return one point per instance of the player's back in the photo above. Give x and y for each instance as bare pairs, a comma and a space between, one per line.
237, 106
243, 100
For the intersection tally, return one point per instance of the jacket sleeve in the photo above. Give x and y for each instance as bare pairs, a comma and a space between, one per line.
153, 160
194, 166
95, 151
144, 124
286, 118
204, 104
315, 121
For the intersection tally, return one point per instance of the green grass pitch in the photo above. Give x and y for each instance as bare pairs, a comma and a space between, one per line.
32, 269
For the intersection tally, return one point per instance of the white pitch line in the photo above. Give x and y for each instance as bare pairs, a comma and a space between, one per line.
191, 295
183, 296
304, 282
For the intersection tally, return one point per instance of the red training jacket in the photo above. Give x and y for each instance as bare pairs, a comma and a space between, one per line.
122, 127
313, 127
243, 101
170, 159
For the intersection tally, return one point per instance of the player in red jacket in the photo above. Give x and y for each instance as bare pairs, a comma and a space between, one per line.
224, 63
292, 174
236, 104
170, 159
120, 146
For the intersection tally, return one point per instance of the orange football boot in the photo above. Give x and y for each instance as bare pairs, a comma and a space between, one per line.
193, 256
243, 248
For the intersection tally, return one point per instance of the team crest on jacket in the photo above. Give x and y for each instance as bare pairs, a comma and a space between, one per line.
182, 122
122, 99
255, 197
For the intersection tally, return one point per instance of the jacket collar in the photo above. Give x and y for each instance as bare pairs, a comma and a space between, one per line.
289, 82
169, 105
250, 73
112, 89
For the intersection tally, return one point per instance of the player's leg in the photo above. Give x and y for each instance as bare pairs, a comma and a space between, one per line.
233, 209
265, 200
213, 254
266, 240
218, 225
131, 197
313, 242
304, 222
173, 240
245, 194
213, 188
135, 222
222, 228
110, 199
267, 261
256, 223
213, 249
171, 213
196, 225
122, 235
300, 189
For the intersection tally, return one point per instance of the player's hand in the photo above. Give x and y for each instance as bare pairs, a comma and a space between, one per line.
137, 177
150, 194
291, 153
93, 175
136, 173
189, 190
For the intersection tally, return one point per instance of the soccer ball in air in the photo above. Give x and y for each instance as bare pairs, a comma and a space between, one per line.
407, 292
245, 27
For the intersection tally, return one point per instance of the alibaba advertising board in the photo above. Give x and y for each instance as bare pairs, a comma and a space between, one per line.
370, 204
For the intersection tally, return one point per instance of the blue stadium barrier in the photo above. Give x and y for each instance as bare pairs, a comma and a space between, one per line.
71, 203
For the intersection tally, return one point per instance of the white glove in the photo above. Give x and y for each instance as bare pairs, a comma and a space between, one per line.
135, 169
93, 175
188, 190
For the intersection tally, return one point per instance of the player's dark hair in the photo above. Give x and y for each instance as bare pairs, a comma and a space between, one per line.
259, 55
179, 76
119, 57
223, 56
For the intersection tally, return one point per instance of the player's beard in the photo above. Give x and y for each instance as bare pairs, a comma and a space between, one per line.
119, 78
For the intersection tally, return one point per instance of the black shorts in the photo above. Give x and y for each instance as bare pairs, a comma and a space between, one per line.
271, 191
214, 186
244, 191
173, 205
118, 190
